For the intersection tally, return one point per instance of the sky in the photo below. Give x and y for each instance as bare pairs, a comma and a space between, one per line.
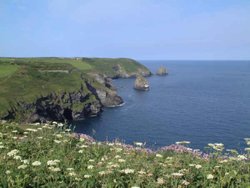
140, 29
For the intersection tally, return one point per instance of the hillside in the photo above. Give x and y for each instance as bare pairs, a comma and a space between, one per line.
49, 155
63, 86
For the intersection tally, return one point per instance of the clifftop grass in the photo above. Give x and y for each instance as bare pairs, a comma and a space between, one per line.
25, 79
51, 156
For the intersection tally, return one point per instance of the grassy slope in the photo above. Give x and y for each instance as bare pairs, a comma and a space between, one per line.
51, 157
24, 79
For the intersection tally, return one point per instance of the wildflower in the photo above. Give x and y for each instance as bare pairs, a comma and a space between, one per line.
121, 160
191, 165
22, 166
25, 161
139, 144
158, 155
82, 139
57, 141
60, 125
72, 174
17, 157
135, 186
241, 157
90, 167
70, 169
39, 129
12, 152
15, 131
117, 156
36, 163
217, 146
7, 172
40, 137
25, 133
177, 174
87, 176
198, 166
80, 151
210, 177
53, 169
83, 146
1, 146
52, 163
67, 130
14, 137
31, 130
102, 173
118, 149
247, 149
142, 172
59, 136
160, 181
128, 171
185, 182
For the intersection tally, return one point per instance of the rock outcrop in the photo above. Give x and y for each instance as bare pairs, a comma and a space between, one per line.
162, 71
120, 72
141, 83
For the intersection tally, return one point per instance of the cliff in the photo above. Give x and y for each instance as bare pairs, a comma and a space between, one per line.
61, 89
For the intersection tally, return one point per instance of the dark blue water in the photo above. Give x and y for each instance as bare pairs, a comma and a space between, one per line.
199, 101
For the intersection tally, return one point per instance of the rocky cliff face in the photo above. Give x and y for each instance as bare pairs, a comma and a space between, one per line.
141, 83
162, 71
85, 102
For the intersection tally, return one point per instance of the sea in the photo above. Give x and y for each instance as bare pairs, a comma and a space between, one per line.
198, 101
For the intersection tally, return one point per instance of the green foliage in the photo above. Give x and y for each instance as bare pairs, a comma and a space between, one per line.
51, 156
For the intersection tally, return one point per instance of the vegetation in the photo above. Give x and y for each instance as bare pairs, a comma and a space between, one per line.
51, 156
25, 79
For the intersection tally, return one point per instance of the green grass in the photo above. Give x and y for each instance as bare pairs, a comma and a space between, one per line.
50, 156
7, 70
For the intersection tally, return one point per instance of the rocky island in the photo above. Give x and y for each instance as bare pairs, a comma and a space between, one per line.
162, 71
61, 89
141, 83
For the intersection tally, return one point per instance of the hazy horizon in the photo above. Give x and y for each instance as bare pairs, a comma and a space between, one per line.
138, 29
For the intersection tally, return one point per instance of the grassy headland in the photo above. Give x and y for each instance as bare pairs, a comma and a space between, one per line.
51, 156
26, 79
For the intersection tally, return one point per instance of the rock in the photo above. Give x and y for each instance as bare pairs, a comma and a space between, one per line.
162, 71
141, 83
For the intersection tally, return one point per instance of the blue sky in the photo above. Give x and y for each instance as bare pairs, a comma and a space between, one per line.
140, 29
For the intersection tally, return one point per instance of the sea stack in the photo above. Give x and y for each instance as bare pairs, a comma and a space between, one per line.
141, 83
162, 71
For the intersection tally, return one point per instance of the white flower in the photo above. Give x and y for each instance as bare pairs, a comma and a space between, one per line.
22, 166
52, 162
128, 171
59, 136
90, 167
7, 172
117, 156
185, 182
135, 186
87, 176
17, 157
210, 176
241, 157
53, 169
70, 169
12, 152
158, 155
247, 149
1, 146
198, 166
36, 163
160, 181
83, 146
80, 151
121, 160
72, 174
25, 161
15, 131
177, 174
91, 160
139, 144
102, 173
57, 141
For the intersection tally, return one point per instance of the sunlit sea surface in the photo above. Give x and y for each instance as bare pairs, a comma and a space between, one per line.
199, 101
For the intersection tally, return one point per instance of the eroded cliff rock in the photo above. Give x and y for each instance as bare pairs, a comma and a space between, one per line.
141, 83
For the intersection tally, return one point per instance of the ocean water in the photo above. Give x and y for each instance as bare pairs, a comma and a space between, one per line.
199, 101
